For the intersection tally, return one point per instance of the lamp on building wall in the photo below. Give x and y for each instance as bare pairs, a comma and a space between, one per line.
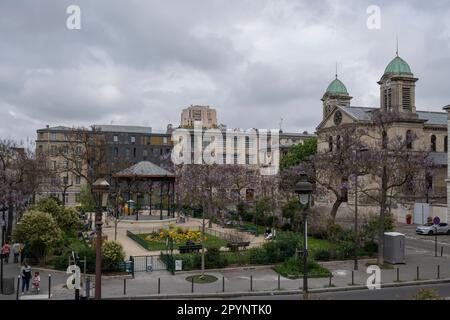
303, 189
100, 189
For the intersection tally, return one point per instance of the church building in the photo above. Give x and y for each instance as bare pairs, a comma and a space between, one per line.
397, 93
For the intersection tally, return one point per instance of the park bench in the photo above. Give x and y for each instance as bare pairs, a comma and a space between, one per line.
190, 248
251, 231
234, 246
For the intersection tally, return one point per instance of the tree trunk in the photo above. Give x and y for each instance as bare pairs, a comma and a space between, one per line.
9, 227
335, 208
203, 245
380, 258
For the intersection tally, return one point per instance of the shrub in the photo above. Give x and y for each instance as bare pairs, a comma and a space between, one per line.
293, 268
345, 250
214, 259
257, 256
68, 219
190, 261
322, 255
112, 254
39, 232
370, 247
286, 226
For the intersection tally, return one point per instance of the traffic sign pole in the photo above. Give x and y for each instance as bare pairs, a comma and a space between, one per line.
436, 222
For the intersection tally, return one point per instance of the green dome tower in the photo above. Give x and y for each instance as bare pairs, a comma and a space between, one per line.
335, 95
397, 88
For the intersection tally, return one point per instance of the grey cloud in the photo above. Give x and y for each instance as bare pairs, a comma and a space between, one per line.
141, 62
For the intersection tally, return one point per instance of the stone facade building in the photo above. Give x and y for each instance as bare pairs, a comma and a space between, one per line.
397, 93
205, 114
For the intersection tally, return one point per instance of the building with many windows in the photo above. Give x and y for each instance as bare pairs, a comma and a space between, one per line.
123, 146
205, 114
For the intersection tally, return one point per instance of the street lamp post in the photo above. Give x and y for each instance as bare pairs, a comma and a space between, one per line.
356, 210
100, 188
303, 189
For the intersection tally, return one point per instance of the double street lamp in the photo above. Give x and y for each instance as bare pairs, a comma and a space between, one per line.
100, 188
303, 189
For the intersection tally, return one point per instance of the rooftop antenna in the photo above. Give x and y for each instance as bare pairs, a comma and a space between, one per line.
396, 52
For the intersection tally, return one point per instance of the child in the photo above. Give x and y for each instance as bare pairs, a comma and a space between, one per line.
36, 282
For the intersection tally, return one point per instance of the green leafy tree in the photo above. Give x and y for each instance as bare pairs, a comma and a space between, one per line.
291, 211
68, 219
50, 205
87, 200
112, 254
298, 153
39, 232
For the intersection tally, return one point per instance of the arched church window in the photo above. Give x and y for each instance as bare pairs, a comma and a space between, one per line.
409, 138
338, 142
433, 143
330, 143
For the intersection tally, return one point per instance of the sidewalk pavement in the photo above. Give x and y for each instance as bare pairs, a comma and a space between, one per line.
256, 279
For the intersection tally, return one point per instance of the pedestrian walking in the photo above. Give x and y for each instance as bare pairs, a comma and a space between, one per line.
25, 273
6, 249
16, 252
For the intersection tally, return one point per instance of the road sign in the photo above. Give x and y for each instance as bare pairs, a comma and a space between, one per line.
436, 220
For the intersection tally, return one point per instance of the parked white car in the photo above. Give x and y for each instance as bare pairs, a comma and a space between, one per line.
431, 229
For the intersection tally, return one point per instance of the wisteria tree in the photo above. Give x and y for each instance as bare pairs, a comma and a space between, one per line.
21, 173
395, 166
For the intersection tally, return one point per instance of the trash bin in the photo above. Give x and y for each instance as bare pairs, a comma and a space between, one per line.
394, 247
8, 285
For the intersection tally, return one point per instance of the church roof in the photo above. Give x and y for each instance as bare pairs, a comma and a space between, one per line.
433, 117
337, 87
364, 113
398, 66
144, 169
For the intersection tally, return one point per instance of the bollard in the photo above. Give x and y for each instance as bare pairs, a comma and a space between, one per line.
442, 251
398, 274
18, 288
159, 285
124, 286
278, 281
88, 287
417, 273
331, 275
49, 286
223, 284
192, 284
438, 271
251, 283
353, 277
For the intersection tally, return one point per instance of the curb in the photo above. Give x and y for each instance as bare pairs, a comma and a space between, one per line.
54, 271
255, 267
273, 292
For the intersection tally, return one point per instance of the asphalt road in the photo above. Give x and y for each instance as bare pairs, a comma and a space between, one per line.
396, 293
424, 243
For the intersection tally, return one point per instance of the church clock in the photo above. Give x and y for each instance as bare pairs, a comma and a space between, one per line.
337, 117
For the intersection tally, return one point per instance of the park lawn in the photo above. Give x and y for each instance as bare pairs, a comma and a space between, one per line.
211, 241
319, 244
261, 229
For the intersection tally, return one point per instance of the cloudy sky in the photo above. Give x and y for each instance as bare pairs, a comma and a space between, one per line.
139, 62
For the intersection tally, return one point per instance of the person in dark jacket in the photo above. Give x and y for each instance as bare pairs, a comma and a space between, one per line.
25, 273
